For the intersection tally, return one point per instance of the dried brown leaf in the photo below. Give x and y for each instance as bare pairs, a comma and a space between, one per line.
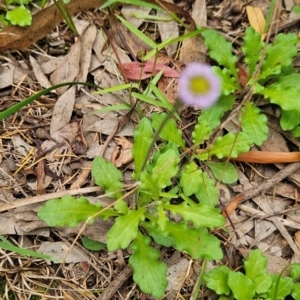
62, 111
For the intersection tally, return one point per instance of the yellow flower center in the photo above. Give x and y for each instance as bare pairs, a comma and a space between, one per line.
199, 85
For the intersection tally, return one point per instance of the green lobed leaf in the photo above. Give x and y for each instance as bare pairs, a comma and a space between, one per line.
162, 217
201, 132
225, 102
143, 136
256, 270
252, 48
289, 119
191, 178
208, 193
296, 132
285, 92
223, 171
201, 215
217, 280
170, 131
121, 207
281, 52
295, 271
149, 186
166, 167
19, 16
296, 291
254, 124
148, 271
229, 84
159, 235
68, 211
262, 283
197, 243
241, 286
107, 176
220, 51
284, 288
256, 264
210, 118
231, 145
125, 230
92, 244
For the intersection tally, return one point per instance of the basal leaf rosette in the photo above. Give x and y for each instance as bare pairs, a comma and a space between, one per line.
199, 86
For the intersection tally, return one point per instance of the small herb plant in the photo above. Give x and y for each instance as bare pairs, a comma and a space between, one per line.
255, 282
175, 188
175, 191
17, 12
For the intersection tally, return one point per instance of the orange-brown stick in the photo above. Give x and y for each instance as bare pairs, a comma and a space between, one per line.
268, 157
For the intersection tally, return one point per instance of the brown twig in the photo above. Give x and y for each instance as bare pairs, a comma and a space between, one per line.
285, 172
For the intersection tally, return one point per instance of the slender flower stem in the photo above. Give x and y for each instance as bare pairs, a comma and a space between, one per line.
199, 281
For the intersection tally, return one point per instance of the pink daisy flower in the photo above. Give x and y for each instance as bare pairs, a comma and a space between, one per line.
199, 86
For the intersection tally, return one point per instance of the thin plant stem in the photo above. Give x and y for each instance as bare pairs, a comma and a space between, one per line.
199, 281
64, 11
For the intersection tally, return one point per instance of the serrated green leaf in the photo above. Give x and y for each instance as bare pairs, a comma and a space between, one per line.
295, 271
256, 264
201, 215
287, 98
149, 186
162, 217
148, 271
296, 132
252, 48
166, 167
254, 124
256, 270
19, 16
285, 92
262, 283
220, 51
67, 211
212, 116
241, 286
160, 237
197, 243
225, 102
289, 119
208, 193
92, 244
296, 291
276, 70
229, 83
121, 207
284, 287
107, 176
190, 179
217, 280
170, 131
201, 132
231, 145
125, 230
225, 172
281, 52
143, 136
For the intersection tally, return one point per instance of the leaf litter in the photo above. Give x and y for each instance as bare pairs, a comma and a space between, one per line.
266, 221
